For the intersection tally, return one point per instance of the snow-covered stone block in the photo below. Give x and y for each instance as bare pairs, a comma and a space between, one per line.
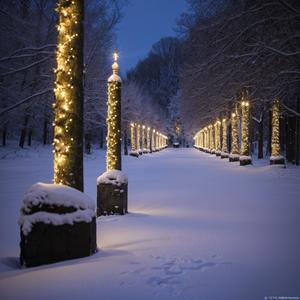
277, 160
134, 153
245, 160
234, 157
57, 223
112, 193
224, 155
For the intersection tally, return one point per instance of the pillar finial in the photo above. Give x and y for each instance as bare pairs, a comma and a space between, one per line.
115, 66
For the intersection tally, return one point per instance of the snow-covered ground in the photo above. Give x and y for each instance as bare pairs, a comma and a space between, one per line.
199, 228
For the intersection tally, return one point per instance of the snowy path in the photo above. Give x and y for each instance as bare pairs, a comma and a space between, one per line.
199, 228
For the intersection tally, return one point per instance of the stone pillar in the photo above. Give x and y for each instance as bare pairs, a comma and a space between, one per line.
218, 138
112, 185
234, 155
275, 157
133, 151
224, 153
153, 140
245, 158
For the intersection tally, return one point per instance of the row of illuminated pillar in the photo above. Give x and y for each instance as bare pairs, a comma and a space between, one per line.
145, 139
213, 137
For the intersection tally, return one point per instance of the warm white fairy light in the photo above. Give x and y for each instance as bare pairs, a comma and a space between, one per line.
206, 138
148, 139
211, 137
133, 137
153, 140
65, 130
217, 135
224, 136
113, 120
138, 137
245, 129
144, 143
275, 143
234, 134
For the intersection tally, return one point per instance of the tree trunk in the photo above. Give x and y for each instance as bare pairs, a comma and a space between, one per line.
287, 139
260, 153
290, 139
297, 133
29, 137
4, 134
101, 137
229, 138
23, 133
45, 131
125, 142
87, 143
68, 133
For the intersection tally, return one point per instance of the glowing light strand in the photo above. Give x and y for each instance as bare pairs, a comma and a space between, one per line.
224, 136
245, 129
68, 108
275, 143
113, 120
234, 134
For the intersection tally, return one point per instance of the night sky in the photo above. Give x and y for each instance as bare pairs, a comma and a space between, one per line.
144, 23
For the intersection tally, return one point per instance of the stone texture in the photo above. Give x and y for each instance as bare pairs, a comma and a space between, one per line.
277, 161
47, 243
245, 162
112, 199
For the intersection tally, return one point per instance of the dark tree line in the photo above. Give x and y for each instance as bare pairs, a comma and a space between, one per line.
158, 76
234, 45
27, 55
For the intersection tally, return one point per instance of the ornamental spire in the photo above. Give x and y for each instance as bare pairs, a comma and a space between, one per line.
115, 66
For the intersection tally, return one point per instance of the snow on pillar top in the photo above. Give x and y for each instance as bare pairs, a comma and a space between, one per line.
115, 68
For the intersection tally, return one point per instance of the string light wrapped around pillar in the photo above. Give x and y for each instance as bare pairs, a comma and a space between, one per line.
148, 147
138, 138
68, 107
245, 158
211, 139
234, 155
157, 141
217, 138
276, 158
143, 138
206, 138
133, 151
153, 140
112, 185
147, 139
113, 120
224, 153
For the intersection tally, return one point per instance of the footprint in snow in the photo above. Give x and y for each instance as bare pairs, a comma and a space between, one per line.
158, 281
169, 272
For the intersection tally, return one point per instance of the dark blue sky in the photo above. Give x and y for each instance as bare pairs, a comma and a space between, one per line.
144, 23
